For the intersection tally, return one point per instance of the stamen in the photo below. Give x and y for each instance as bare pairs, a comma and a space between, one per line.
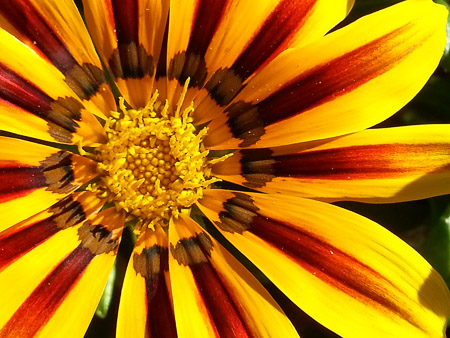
154, 164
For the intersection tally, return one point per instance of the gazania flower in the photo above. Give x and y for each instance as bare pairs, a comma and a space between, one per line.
212, 93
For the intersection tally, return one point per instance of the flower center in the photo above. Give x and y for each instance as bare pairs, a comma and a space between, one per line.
154, 163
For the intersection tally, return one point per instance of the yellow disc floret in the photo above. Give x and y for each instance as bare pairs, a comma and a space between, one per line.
154, 163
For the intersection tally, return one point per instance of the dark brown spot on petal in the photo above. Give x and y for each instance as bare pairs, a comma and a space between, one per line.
148, 262
61, 114
193, 250
344, 163
191, 63
57, 169
239, 214
152, 263
130, 61
319, 85
229, 224
55, 173
241, 200
97, 238
279, 28
245, 122
59, 133
67, 213
257, 180
257, 167
85, 80
188, 65
223, 86
259, 161
318, 256
20, 92
17, 242
64, 112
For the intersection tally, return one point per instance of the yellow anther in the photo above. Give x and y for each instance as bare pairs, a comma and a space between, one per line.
220, 159
154, 164
80, 148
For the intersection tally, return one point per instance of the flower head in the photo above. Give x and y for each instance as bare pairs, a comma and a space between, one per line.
214, 94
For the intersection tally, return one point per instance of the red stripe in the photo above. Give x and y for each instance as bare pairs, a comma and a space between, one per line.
130, 59
161, 68
44, 35
274, 35
208, 15
160, 316
41, 305
328, 263
20, 92
225, 312
333, 79
19, 181
16, 242
126, 20
15, 245
357, 162
27, 20
318, 86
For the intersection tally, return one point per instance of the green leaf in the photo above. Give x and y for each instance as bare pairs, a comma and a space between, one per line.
431, 105
105, 301
436, 246
445, 62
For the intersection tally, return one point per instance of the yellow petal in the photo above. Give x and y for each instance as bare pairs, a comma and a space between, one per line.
35, 100
66, 274
212, 289
26, 235
145, 304
348, 273
129, 36
375, 165
19, 279
237, 52
34, 177
191, 311
55, 30
345, 82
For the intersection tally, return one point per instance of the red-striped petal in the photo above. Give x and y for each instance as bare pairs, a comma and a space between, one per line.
345, 271
376, 165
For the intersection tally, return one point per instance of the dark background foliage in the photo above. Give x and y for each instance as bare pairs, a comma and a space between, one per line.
424, 224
